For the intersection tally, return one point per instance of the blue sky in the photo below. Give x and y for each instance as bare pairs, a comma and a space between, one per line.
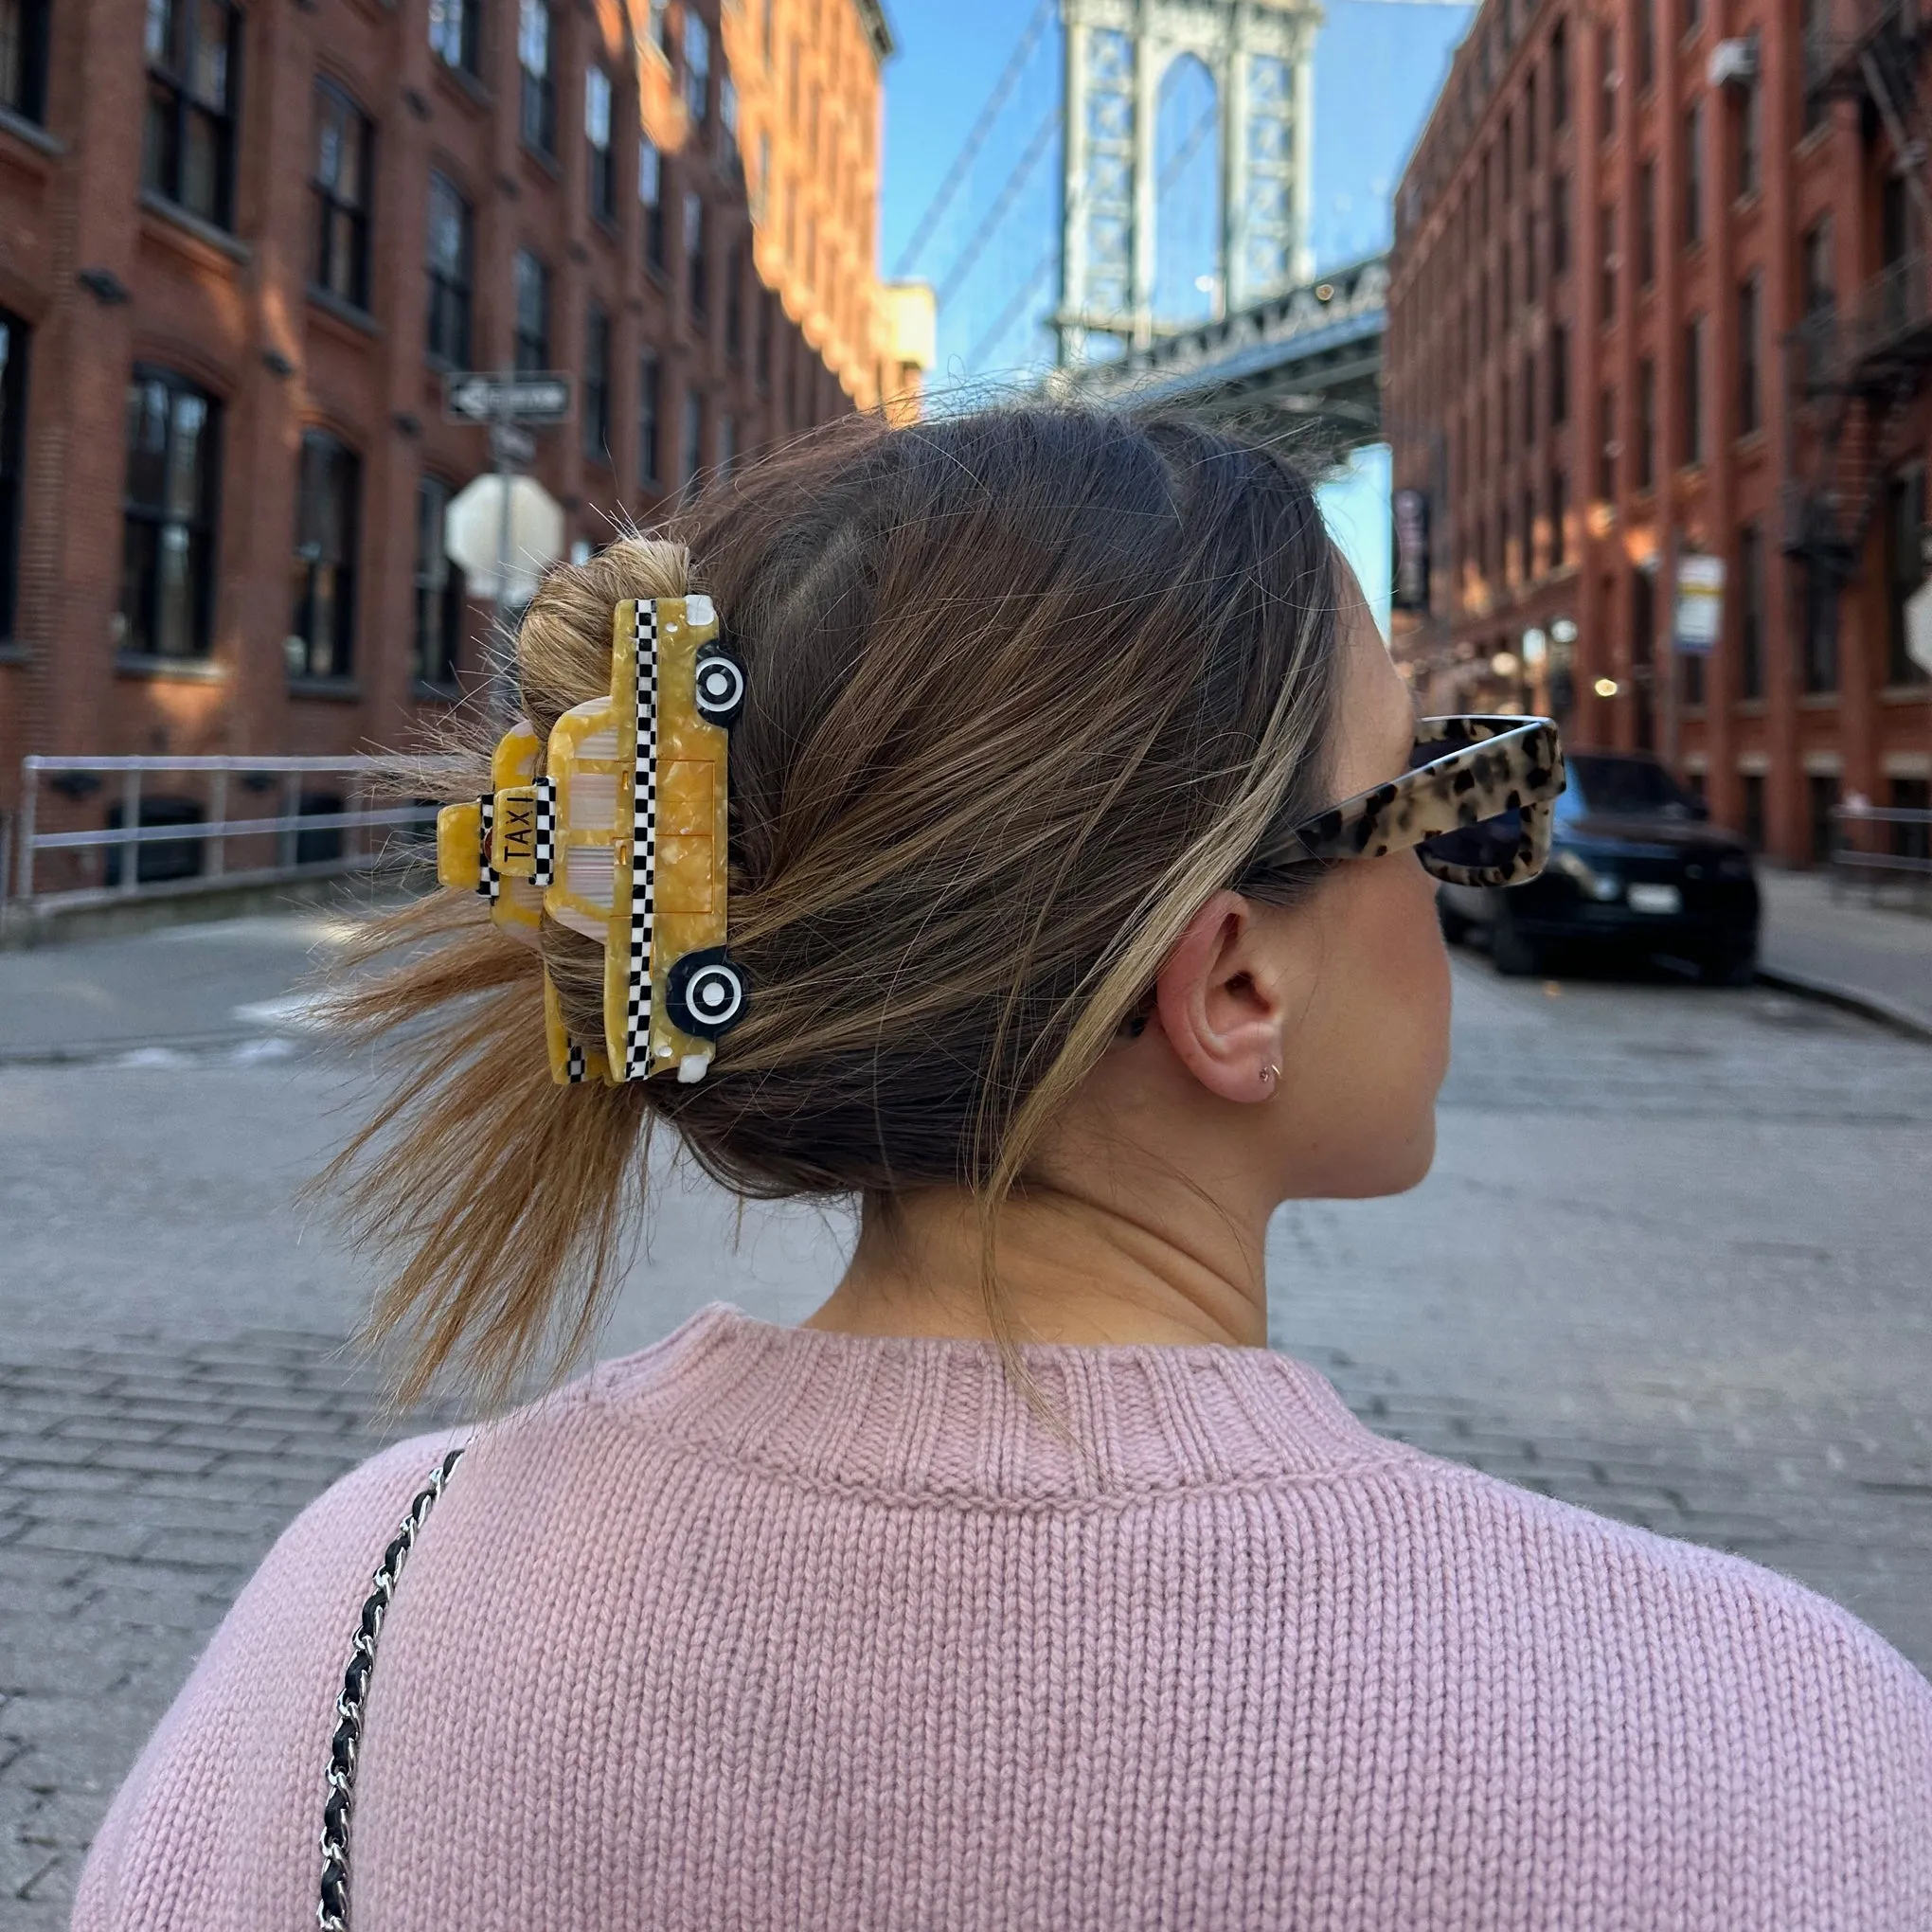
1377, 68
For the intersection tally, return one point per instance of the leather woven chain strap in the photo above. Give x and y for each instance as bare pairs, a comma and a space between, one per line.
332, 1909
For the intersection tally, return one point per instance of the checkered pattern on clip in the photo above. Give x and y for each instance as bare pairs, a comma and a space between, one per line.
574, 1063
488, 885
546, 832
643, 843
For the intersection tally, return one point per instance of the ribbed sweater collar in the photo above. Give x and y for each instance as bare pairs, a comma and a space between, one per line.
922, 1417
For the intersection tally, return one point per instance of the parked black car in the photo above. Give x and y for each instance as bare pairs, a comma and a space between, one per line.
1634, 870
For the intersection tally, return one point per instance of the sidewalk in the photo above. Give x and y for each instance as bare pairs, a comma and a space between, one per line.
1876, 958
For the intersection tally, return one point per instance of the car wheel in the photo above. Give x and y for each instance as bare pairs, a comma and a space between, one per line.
1515, 957
705, 993
1728, 969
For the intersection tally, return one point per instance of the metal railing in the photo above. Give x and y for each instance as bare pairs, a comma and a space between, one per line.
1876, 844
279, 839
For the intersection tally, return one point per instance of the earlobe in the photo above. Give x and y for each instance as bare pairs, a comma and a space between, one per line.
1219, 1001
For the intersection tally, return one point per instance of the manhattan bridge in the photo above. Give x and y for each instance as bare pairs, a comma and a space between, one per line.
1130, 214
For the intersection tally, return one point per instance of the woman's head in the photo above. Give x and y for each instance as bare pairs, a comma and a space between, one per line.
1029, 693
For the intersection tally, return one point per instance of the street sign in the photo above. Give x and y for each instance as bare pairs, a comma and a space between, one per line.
511, 522
1700, 603
511, 446
476, 396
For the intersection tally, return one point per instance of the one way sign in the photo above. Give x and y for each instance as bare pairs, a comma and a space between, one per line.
476, 396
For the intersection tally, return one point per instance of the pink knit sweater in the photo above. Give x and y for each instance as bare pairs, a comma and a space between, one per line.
764, 1627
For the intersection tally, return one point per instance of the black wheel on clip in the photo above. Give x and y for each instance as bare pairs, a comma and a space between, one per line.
720, 678
706, 994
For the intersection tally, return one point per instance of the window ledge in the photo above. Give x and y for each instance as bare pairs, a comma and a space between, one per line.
344, 311
191, 224
177, 669
1750, 707
1817, 701
30, 133
342, 689
1898, 693
548, 163
467, 88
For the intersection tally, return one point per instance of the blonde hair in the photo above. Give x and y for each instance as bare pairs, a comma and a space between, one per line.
1025, 688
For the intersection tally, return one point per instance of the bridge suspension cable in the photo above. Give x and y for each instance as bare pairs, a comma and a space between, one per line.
969, 151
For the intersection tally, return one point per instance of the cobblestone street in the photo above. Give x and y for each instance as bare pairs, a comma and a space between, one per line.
1671, 1265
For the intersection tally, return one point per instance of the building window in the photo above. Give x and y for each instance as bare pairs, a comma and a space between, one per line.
650, 421
1559, 224
1693, 176
1813, 25
1528, 431
1820, 295
659, 28
1750, 612
1606, 77
1646, 423
1693, 17
532, 349
734, 302
1748, 112
650, 199
1818, 666
1559, 376
13, 340
538, 119
322, 626
453, 32
1559, 515
187, 153
1748, 305
1694, 390
1647, 224
1904, 536
1691, 675
23, 59
1530, 124
727, 118
697, 66
693, 455
727, 443
167, 537
1606, 235
1646, 45
764, 298
597, 385
1606, 443
694, 254
1752, 786
1822, 802
760, 188
597, 135
341, 190
1559, 76
438, 589
447, 250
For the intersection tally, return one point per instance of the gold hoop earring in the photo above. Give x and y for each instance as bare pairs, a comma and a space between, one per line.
1270, 1075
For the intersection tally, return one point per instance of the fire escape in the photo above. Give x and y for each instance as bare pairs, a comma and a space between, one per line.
1856, 368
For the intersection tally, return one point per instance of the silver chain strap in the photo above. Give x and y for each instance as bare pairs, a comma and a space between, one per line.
332, 1909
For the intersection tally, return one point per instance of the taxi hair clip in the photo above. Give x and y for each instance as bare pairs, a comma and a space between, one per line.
623, 839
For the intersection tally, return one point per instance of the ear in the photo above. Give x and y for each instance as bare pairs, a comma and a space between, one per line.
1220, 1001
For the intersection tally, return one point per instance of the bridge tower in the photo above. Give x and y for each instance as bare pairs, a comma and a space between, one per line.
1259, 56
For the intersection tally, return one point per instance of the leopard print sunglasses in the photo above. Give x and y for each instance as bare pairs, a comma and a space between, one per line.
1476, 804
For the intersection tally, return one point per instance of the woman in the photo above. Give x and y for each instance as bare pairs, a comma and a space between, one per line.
1022, 1586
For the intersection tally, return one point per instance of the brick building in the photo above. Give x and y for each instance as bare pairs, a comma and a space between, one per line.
1657, 294
241, 241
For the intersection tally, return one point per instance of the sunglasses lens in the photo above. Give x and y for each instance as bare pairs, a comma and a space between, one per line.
1489, 843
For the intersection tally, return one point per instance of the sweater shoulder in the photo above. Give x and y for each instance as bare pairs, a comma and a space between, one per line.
1688, 1608
238, 1765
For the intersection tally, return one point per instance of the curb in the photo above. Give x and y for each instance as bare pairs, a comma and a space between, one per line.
1852, 999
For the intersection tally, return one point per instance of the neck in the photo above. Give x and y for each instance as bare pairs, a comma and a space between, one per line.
1070, 1268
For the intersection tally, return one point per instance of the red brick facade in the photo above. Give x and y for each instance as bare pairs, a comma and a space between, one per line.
1602, 254
103, 274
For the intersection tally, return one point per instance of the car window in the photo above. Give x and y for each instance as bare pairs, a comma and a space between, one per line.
1622, 787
